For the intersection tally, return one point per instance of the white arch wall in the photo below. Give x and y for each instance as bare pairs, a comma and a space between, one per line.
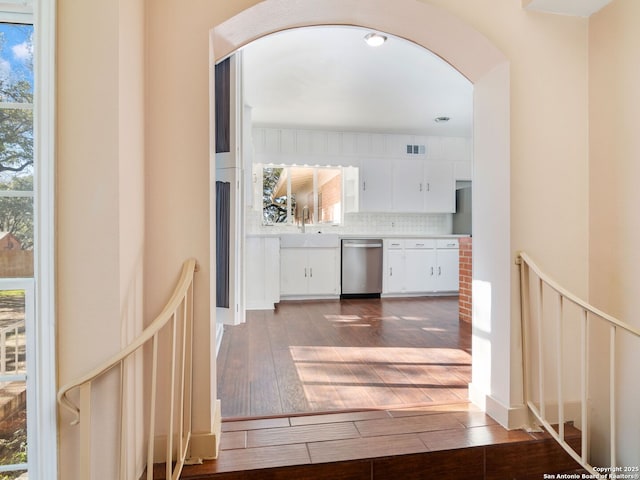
476, 58
548, 172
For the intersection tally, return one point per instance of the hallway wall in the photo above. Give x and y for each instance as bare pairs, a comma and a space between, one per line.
614, 234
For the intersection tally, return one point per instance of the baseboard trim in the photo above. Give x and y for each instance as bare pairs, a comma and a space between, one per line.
202, 446
206, 446
509, 417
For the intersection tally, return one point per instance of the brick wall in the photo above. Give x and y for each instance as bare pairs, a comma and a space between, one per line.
465, 279
16, 263
331, 194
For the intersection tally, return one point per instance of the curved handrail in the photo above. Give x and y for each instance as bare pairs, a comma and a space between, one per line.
575, 299
533, 317
188, 269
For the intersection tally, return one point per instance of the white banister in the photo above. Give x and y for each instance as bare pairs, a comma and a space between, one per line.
177, 318
531, 274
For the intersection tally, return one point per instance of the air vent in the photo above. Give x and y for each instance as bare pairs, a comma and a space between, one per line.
416, 149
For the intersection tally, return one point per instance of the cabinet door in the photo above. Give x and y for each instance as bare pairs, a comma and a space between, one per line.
395, 271
420, 270
375, 187
262, 272
448, 270
407, 185
440, 194
294, 271
322, 271
254, 272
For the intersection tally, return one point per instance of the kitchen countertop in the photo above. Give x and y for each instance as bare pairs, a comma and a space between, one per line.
368, 235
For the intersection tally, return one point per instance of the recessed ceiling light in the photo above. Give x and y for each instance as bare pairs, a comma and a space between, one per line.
442, 119
375, 39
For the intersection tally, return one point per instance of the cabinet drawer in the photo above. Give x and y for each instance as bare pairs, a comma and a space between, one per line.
448, 243
420, 243
395, 244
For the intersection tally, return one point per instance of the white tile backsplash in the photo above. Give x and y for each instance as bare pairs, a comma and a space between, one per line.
366, 224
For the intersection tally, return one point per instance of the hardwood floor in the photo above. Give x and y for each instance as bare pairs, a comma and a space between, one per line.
323, 356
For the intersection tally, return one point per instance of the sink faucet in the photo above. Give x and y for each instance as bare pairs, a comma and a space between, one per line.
305, 216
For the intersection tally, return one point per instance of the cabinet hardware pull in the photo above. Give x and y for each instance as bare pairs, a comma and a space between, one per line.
439, 271
391, 271
311, 272
364, 186
432, 271
420, 186
419, 244
305, 272
428, 187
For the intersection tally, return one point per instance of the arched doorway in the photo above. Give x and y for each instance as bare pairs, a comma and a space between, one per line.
496, 377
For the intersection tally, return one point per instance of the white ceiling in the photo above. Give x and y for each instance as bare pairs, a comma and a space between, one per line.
579, 8
328, 77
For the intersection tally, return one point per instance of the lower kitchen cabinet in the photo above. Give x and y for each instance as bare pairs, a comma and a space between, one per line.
262, 272
448, 272
421, 266
309, 271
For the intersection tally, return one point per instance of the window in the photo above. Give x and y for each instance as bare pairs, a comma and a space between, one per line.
301, 195
27, 366
16, 241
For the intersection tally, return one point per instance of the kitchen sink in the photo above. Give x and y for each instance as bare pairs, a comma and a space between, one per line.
309, 240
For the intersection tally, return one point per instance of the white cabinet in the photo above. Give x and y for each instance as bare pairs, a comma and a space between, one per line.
420, 270
375, 188
395, 267
439, 187
448, 265
423, 186
309, 271
408, 185
262, 272
410, 266
421, 266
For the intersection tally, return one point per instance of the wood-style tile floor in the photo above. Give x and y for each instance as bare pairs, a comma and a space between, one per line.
450, 442
324, 356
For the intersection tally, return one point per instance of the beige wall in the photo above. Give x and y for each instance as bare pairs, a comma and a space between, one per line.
100, 208
549, 130
614, 97
99, 141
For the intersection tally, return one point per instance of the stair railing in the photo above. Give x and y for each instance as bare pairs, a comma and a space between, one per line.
177, 319
533, 280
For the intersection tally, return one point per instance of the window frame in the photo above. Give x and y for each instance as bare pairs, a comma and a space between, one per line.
42, 414
316, 206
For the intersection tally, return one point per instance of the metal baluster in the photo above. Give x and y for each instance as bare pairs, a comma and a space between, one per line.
540, 352
152, 408
585, 384
612, 393
559, 366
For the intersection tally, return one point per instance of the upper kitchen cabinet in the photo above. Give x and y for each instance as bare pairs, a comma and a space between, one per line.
408, 185
439, 187
423, 186
375, 187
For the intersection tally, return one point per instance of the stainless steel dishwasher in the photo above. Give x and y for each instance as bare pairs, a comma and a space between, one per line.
361, 268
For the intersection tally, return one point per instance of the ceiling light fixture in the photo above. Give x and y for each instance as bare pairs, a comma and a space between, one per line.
442, 119
374, 39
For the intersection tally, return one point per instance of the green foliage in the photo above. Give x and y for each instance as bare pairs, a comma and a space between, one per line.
274, 209
16, 213
16, 128
13, 450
